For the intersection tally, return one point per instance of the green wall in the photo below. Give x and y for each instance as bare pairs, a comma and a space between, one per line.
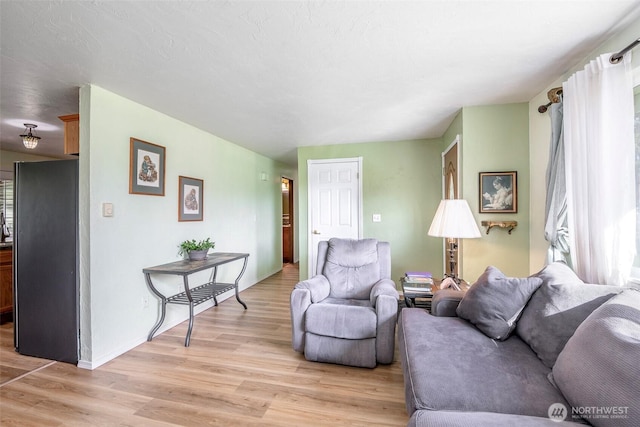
495, 139
402, 182
242, 213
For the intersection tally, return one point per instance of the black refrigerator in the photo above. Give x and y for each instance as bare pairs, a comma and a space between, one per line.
45, 252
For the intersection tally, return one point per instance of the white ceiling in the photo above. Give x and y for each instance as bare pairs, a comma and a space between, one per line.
275, 75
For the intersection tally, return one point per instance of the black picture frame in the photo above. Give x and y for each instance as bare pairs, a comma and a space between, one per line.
190, 199
498, 192
146, 168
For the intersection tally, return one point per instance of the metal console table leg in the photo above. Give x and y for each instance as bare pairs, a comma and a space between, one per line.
244, 267
187, 291
163, 306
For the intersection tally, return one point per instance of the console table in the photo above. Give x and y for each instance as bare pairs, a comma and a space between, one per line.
198, 294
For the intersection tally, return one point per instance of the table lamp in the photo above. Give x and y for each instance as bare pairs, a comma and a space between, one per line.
454, 220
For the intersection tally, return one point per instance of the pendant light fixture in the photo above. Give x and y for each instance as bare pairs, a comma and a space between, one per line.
29, 139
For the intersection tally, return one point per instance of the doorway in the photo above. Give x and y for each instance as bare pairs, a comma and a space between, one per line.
450, 190
287, 220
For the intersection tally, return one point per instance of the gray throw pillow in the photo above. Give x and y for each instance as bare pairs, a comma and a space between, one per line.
495, 302
598, 370
557, 308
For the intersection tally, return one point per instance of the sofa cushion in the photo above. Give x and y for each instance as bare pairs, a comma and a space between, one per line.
448, 364
558, 272
556, 309
599, 366
352, 267
495, 302
351, 319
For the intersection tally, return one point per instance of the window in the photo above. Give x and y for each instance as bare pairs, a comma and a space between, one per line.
6, 204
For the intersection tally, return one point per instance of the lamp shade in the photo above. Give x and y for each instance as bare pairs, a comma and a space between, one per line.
454, 219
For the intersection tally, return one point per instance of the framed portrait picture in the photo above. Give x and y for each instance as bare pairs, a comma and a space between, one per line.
498, 192
190, 198
146, 168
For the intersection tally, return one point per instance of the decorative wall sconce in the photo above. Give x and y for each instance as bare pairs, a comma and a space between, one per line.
509, 225
29, 139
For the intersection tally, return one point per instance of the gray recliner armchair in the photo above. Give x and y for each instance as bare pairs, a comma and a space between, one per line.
346, 313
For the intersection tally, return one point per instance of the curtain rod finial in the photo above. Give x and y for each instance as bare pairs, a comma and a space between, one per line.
554, 94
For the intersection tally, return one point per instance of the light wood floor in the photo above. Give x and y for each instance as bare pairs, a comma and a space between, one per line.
239, 370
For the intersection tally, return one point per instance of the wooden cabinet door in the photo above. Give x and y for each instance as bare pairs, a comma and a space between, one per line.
6, 281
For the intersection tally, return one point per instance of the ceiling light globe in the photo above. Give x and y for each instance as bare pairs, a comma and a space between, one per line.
30, 142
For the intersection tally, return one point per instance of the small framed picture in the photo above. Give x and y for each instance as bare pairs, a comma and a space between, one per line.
146, 168
498, 192
190, 198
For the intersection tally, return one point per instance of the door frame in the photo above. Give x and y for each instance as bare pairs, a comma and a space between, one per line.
292, 221
360, 224
455, 143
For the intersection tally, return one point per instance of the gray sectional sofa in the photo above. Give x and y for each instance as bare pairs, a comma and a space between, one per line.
543, 350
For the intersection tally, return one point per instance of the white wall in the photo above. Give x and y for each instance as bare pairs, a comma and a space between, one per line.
242, 213
540, 136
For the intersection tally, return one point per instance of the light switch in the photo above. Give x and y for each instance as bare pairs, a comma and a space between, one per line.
377, 218
107, 209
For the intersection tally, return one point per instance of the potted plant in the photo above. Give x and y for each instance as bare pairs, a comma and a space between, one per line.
196, 250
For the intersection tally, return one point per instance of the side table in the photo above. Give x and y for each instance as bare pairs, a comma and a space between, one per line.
422, 298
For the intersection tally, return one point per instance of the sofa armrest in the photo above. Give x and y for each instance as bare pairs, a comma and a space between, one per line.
445, 302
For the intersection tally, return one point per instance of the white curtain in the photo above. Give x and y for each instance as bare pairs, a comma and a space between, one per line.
600, 170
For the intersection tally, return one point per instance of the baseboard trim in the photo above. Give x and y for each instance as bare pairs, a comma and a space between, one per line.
94, 364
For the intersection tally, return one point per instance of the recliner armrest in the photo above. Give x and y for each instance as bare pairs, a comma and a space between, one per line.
445, 302
303, 295
318, 286
383, 287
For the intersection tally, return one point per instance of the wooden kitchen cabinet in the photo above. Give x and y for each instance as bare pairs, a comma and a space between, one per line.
71, 133
6, 284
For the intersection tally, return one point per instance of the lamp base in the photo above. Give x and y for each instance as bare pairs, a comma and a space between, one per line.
456, 281
453, 247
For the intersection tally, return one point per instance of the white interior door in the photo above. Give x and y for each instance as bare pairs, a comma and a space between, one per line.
335, 202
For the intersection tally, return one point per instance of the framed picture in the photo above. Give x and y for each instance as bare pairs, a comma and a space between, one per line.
498, 192
190, 198
146, 168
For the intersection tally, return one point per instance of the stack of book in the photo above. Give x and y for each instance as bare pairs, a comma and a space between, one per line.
417, 281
